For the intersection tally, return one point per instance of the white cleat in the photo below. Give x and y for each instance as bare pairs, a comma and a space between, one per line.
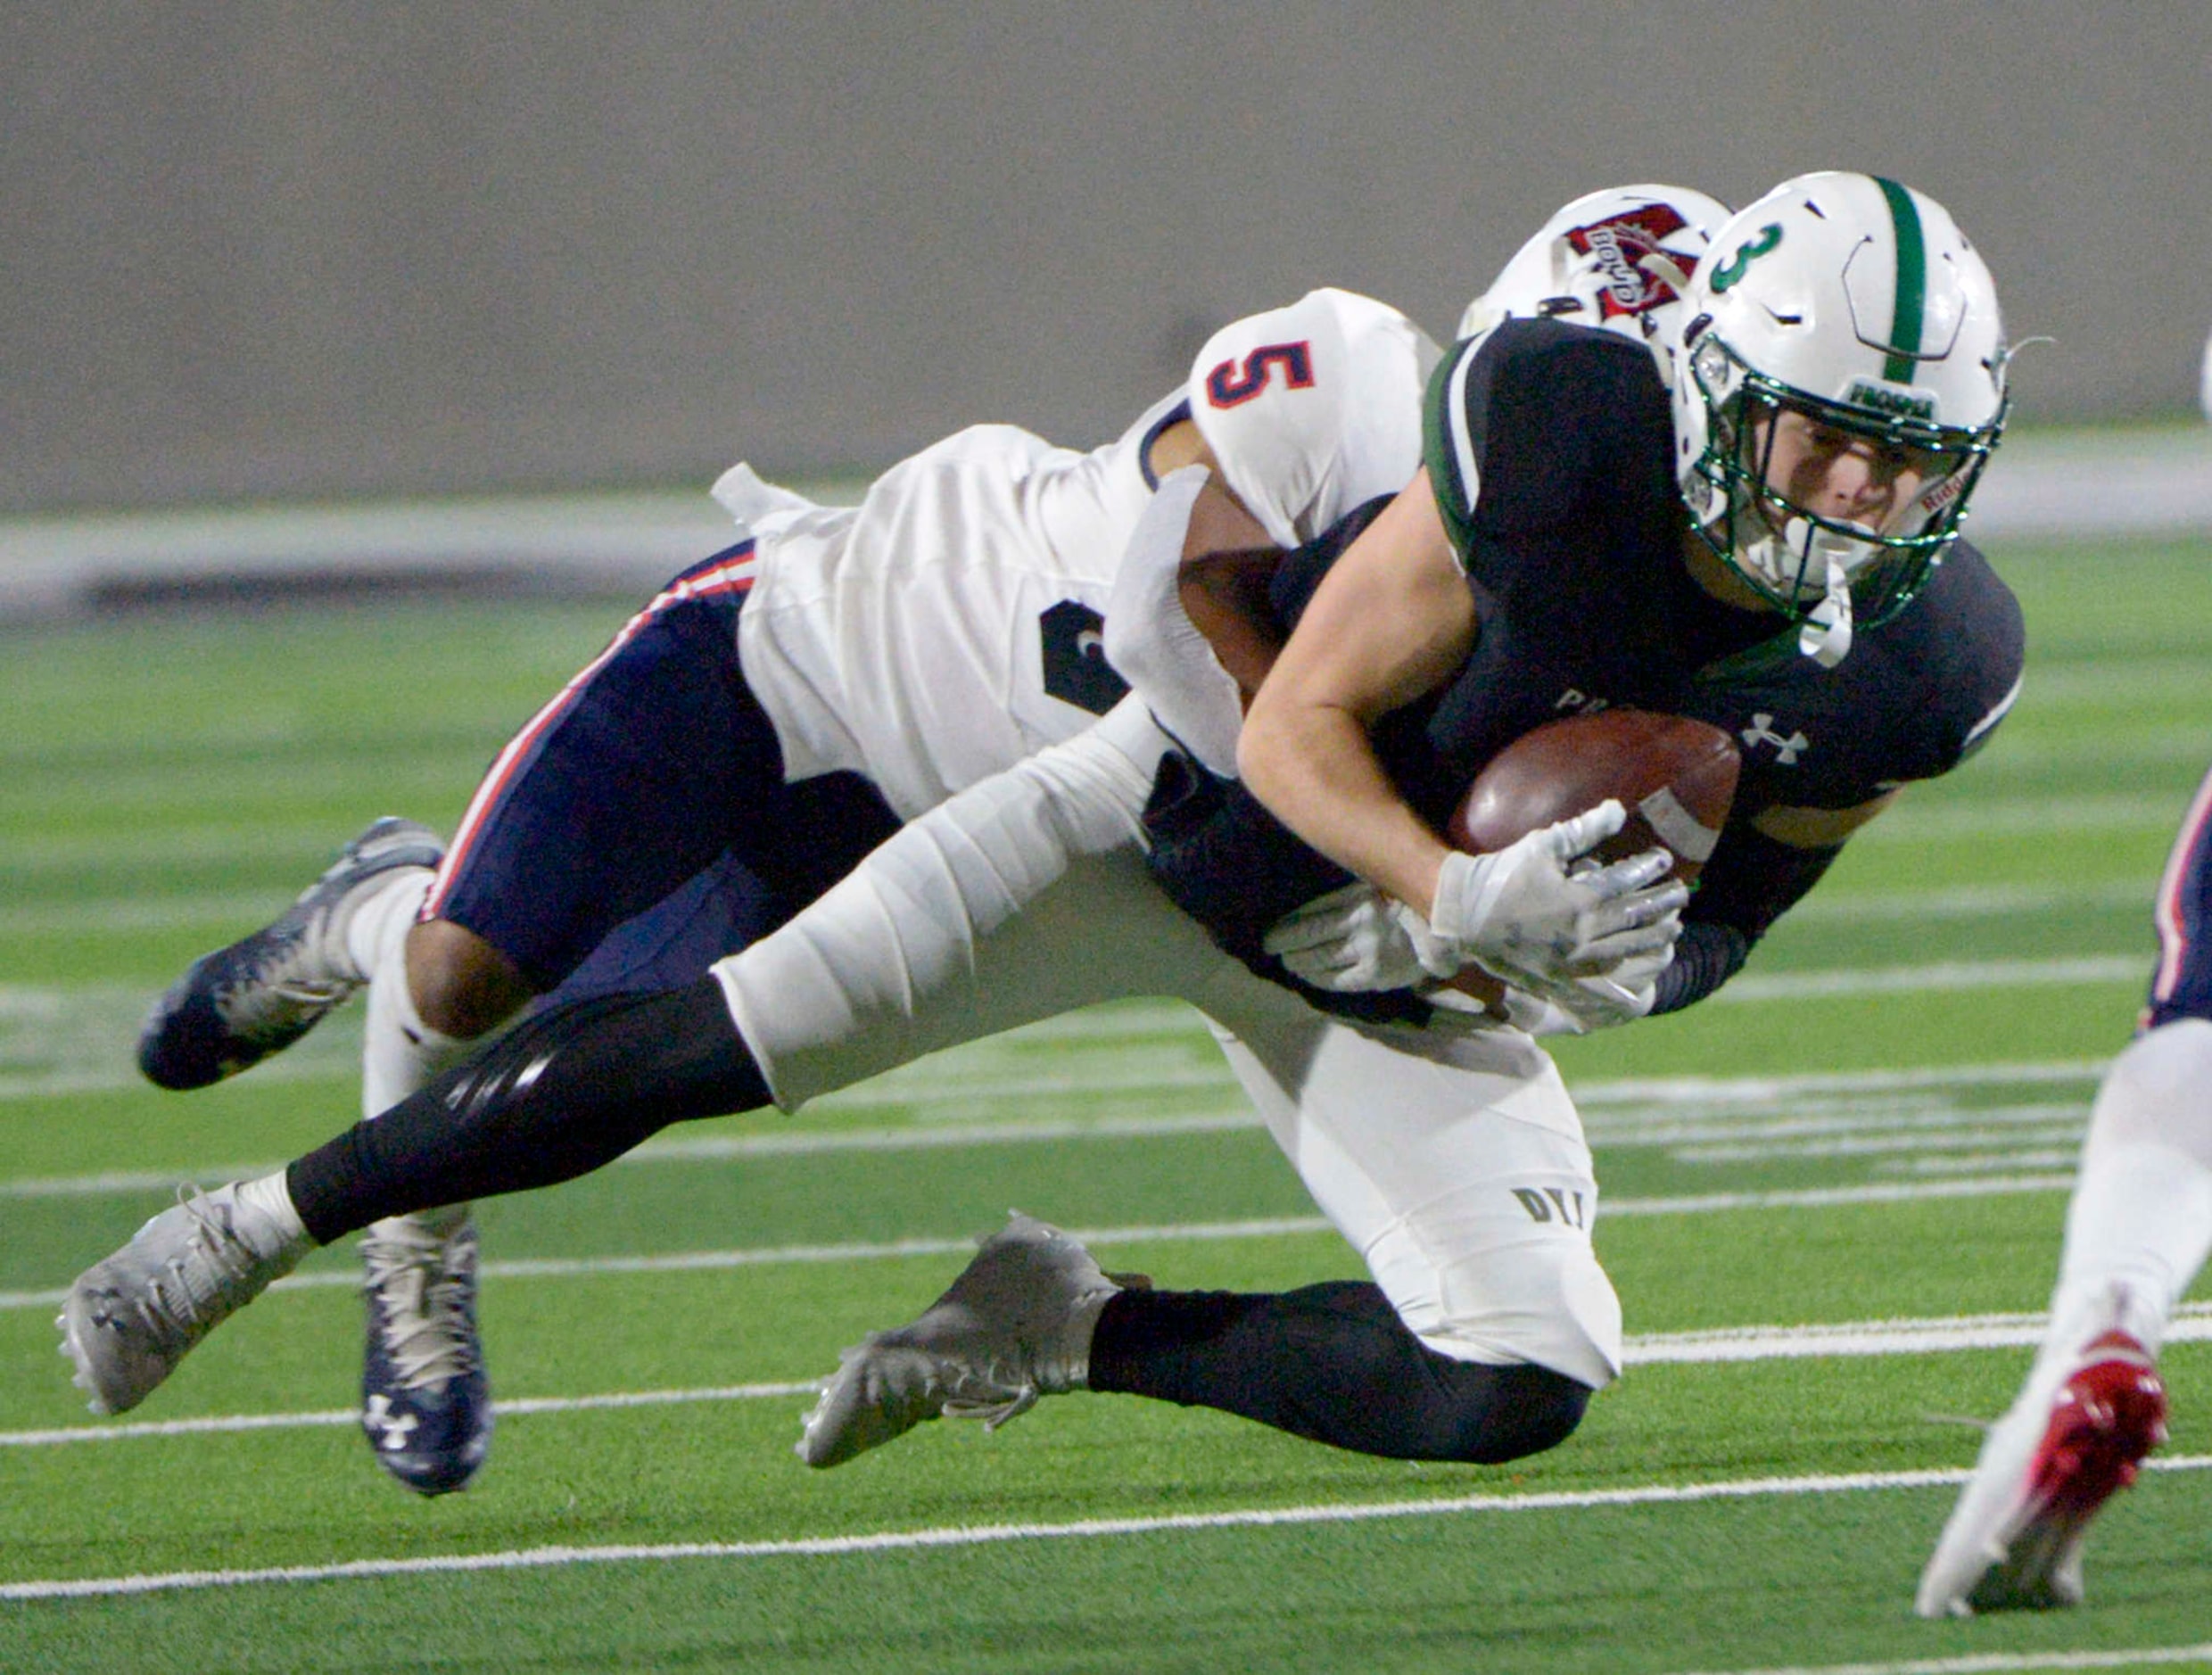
1015, 1325
129, 1320
2014, 1540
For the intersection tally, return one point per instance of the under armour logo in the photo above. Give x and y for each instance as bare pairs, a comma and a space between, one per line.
390, 1429
1762, 732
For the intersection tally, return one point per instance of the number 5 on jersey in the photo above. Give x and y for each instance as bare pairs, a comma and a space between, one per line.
1232, 384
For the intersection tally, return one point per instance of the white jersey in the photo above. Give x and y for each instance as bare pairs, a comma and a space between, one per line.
1313, 409
949, 625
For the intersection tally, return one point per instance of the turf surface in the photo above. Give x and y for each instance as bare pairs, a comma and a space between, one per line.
1875, 1123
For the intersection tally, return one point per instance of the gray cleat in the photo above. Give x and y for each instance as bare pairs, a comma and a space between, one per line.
237, 1005
129, 1320
1015, 1325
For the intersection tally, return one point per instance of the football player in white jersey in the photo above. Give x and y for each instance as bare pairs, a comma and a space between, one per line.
752, 733
1290, 476
2137, 1233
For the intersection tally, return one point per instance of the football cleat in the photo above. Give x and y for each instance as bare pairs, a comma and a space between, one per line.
1014, 1326
426, 1402
2014, 1541
237, 1005
128, 1320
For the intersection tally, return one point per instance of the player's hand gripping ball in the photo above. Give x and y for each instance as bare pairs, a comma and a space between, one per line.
1675, 776
1674, 779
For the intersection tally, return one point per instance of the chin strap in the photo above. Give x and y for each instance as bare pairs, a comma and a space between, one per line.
1825, 634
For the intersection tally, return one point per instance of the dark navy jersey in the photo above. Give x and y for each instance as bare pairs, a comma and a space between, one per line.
1573, 543
1549, 449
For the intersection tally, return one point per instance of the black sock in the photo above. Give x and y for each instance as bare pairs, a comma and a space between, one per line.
563, 1093
1333, 1362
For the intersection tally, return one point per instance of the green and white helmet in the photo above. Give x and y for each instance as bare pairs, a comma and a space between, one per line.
1858, 303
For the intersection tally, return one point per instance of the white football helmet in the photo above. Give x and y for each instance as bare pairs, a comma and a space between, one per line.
1621, 257
1857, 302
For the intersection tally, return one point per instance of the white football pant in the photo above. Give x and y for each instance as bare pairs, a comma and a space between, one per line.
1451, 1156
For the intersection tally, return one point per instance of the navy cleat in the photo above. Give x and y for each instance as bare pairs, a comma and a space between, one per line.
425, 1403
237, 1005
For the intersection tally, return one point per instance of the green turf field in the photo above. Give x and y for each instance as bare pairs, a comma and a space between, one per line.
1874, 1124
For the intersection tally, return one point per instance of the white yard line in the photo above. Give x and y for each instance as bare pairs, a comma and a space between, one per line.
1971, 976
697, 1261
221, 1424
2193, 1324
61, 1041
985, 1535
1999, 1662
1629, 1110
230, 914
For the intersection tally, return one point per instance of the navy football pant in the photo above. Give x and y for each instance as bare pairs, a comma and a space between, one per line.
640, 827
2182, 984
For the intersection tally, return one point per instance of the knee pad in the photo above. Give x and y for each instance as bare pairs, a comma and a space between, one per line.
1496, 1414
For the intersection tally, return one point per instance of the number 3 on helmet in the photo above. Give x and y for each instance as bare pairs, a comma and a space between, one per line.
1857, 302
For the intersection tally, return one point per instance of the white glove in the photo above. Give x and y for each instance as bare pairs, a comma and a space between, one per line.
1577, 1007
1349, 939
1527, 915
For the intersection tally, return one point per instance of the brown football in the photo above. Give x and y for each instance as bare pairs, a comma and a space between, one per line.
1675, 775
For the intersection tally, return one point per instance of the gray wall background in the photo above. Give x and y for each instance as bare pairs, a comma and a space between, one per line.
297, 249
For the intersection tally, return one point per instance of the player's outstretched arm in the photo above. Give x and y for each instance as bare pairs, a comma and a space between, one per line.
1392, 621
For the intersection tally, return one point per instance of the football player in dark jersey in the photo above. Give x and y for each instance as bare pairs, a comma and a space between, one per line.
1447, 1150
1760, 531
2137, 1233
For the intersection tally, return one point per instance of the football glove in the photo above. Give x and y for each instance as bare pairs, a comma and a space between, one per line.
1532, 916
1348, 941
1577, 1007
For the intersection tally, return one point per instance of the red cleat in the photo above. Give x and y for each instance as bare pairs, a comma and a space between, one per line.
2014, 1540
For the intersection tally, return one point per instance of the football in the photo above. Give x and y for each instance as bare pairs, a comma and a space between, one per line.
1675, 775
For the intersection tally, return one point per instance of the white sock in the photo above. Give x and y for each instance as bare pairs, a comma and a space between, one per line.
376, 923
2141, 1220
399, 1052
273, 1199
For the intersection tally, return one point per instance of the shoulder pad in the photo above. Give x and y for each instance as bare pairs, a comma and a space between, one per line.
1537, 392
1313, 408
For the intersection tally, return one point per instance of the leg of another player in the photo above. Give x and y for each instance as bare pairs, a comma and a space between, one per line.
560, 1094
859, 982
1456, 1165
2140, 1221
1333, 1363
426, 1406
2138, 1231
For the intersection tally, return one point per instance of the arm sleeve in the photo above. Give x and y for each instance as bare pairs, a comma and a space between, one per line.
1750, 883
1707, 955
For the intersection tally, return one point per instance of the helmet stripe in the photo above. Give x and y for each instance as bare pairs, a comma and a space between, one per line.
1905, 321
